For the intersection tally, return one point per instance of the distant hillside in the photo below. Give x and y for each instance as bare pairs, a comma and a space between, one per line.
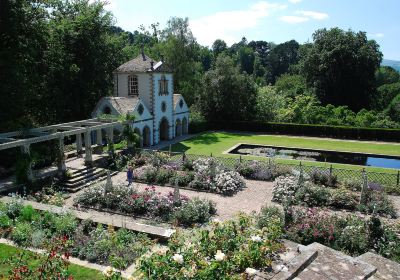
392, 63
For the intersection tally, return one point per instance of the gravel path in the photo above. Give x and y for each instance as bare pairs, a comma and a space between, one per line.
252, 198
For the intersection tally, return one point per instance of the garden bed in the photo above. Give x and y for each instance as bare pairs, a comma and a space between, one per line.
106, 246
321, 189
148, 204
202, 174
350, 233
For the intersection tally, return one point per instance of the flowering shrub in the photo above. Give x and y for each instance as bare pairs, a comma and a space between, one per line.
225, 250
312, 195
53, 265
351, 234
297, 190
118, 248
323, 177
285, 188
148, 203
344, 199
207, 166
48, 196
181, 178
194, 211
311, 226
374, 200
228, 182
248, 168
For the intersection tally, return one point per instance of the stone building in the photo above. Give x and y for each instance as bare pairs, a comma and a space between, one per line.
144, 88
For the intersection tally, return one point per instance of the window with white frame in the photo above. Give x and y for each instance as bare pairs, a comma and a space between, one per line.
133, 87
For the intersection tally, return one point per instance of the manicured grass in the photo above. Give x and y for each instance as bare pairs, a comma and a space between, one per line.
216, 143
78, 272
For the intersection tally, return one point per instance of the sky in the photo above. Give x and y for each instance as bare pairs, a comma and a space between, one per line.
273, 20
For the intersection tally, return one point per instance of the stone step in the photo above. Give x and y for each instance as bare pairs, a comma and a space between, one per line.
386, 269
82, 185
85, 179
333, 265
76, 172
289, 263
84, 174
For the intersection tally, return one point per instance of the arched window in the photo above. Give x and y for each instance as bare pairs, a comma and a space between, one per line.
163, 86
133, 88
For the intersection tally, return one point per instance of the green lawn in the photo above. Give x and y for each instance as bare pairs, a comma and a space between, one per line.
216, 143
78, 272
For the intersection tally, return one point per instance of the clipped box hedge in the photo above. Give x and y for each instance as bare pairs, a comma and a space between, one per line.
346, 132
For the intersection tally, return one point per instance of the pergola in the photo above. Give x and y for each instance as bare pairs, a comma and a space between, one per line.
24, 138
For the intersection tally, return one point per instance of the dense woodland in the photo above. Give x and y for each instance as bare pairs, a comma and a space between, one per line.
57, 58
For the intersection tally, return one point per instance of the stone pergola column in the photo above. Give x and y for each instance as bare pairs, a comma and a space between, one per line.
88, 148
26, 150
61, 160
99, 138
79, 143
110, 132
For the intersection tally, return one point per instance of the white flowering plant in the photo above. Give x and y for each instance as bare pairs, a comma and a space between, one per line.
235, 249
285, 188
229, 182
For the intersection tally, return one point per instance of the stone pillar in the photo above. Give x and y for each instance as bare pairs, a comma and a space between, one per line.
79, 144
61, 157
99, 139
88, 148
29, 174
111, 134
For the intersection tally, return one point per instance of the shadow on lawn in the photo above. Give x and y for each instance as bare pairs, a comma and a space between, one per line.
205, 139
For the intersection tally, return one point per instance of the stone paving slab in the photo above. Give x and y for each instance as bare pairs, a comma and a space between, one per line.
387, 269
98, 217
334, 265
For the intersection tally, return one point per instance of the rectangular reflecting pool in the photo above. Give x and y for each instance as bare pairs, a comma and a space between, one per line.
318, 155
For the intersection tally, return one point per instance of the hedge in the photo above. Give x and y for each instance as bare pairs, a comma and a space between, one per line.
346, 132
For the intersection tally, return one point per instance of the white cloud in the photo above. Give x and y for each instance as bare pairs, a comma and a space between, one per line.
295, 1
294, 19
227, 25
313, 15
376, 35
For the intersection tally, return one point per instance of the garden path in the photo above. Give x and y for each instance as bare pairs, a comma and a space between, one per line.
256, 195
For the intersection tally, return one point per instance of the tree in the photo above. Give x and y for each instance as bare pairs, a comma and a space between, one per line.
291, 85
83, 52
246, 59
393, 110
341, 66
384, 95
269, 104
182, 52
386, 75
280, 58
219, 46
23, 35
226, 93
262, 49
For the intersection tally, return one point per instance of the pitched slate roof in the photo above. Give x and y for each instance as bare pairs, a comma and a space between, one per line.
142, 63
123, 105
176, 99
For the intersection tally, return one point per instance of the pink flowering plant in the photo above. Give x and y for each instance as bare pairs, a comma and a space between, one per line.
312, 225
125, 200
